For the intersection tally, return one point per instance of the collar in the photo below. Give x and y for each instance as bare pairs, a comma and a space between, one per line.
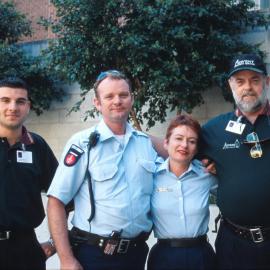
194, 166
266, 111
106, 133
164, 166
26, 137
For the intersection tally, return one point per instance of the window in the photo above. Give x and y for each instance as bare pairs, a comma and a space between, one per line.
265, 4
262, 4
257, 5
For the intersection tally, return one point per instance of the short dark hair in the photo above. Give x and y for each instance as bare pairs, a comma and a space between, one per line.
113, 75
183, 120
14, 82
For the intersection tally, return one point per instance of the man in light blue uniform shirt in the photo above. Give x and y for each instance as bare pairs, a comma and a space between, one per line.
121, 165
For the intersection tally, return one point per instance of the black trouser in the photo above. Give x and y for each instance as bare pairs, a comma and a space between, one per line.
91, 257
165, 257
234, 252
22, 252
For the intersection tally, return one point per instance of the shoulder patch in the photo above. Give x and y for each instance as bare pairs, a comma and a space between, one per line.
73, 155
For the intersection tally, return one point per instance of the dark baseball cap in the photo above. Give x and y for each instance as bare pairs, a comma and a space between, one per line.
247, 62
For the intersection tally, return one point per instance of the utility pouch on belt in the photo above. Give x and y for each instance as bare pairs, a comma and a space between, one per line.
112, 243
75, 239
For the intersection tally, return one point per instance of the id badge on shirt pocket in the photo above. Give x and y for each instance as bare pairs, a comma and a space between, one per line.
235, 127
24, 156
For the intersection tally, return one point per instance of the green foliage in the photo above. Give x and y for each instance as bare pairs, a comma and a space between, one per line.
171, 50
14, 62
12, 24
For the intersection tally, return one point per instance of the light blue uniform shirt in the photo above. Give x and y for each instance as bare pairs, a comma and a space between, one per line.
122, 179
180, 205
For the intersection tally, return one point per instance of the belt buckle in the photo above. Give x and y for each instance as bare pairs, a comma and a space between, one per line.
123, 246
5, 235
256, 235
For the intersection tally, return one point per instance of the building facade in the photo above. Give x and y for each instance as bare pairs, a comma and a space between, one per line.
56, 125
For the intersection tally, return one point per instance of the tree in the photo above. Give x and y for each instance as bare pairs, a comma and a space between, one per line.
171, 50
14, 62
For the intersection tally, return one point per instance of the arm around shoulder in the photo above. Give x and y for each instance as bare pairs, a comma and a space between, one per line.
158, 146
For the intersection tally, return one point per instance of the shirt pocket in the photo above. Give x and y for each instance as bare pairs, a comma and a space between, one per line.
146, 172
165, 198
105, 184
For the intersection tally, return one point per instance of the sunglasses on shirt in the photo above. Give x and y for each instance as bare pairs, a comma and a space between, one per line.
256, 149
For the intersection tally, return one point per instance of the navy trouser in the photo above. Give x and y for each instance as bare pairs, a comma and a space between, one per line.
92, 258
22, 252
164, 257
234, 252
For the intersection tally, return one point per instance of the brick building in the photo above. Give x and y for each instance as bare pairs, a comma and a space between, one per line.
56, 126
34, 9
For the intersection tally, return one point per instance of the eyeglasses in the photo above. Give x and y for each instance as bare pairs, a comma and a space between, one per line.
256, 150
112, 72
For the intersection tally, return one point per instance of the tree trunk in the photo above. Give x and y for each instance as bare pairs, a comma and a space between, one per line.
135, 121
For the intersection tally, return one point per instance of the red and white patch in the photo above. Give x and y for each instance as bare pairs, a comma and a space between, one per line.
70, 159
73, 155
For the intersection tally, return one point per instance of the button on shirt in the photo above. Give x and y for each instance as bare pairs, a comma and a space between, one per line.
180, 205
122, 179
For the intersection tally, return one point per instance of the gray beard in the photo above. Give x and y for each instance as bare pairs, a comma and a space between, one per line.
250, 107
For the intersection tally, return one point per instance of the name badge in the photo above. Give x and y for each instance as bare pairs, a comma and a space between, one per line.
164, 189
235, 127
24, 157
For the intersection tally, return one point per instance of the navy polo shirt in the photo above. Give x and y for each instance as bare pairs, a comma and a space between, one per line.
26, 169
244, 182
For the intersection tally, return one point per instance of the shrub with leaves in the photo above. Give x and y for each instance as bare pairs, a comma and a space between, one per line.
14, 62
171, 50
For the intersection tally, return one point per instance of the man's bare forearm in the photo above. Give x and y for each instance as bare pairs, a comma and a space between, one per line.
57, 220
158, 144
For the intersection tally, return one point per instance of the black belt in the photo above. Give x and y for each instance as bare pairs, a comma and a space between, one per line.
12, 234
184, 242
109, 245
257, 234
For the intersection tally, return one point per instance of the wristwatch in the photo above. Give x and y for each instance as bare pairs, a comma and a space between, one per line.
51, 242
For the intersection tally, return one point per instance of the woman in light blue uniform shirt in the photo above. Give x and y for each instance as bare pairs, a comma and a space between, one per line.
180, 203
